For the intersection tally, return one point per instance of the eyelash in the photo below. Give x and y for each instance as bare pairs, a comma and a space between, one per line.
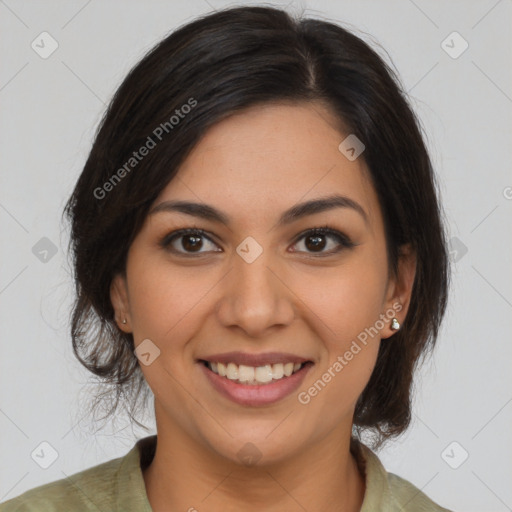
343, 240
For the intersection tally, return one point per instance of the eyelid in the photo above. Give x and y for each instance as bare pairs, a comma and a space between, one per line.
325, 230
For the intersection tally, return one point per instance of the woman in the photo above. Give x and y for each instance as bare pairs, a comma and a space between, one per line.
257, 241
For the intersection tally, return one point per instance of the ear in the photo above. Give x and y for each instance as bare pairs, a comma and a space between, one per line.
120, 302
400, 288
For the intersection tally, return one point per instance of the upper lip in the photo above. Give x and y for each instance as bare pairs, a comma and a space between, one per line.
255, 360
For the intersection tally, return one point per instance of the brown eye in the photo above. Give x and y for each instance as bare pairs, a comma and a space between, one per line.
188, 241
322, 241
315, 242
317, 239
191, 242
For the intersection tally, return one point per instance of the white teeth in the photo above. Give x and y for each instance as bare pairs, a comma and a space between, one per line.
263, 373
277, 371
254, 375
232, 371
246, 373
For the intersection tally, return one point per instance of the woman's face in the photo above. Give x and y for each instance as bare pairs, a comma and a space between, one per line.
261, 285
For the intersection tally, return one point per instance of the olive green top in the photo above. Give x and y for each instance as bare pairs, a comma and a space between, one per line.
118, 485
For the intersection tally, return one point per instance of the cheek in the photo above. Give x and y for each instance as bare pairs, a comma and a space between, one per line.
349, 348
340, 385
164, 300
165, 305
345, 300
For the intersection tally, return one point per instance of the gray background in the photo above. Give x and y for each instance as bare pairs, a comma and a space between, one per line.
50, 109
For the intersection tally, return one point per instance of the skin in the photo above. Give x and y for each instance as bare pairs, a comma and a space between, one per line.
253, 166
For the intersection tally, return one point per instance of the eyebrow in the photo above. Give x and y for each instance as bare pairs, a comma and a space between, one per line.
298, 211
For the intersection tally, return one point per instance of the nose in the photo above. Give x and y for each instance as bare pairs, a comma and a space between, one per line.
255, 297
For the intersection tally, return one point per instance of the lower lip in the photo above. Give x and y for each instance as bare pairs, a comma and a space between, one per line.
254, 396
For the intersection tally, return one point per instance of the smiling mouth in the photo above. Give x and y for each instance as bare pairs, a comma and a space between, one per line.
255, 375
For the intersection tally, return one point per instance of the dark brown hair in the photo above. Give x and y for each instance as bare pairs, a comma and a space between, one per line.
219, 65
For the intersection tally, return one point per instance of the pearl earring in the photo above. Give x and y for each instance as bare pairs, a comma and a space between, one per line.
395, 324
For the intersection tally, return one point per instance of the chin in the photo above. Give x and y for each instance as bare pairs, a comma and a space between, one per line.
257, 449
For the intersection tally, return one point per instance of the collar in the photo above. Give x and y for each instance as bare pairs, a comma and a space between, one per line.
131, 491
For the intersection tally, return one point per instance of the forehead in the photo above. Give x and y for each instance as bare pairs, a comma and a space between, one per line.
266, 158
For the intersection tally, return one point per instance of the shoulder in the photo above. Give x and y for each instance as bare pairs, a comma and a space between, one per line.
90, 489
408, 498
388, 492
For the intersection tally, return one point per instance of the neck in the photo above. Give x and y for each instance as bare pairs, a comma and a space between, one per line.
184, 475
